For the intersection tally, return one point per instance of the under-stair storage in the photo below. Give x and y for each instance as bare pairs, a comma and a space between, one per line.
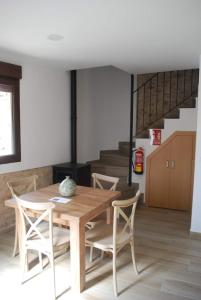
169, 175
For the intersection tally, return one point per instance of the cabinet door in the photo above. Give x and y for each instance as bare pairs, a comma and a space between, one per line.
159, 179
181, 167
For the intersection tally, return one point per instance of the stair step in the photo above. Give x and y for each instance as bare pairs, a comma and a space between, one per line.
124, 147
126, 143
127, 191
173, 114
189, 103
158, 124
121, 172
143, 135
117, 171
114, 157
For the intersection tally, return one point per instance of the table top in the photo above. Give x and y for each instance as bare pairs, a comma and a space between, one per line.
86, 202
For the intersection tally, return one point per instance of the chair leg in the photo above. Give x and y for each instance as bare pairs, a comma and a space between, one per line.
114, 274
40, 260
133, 257
117, 217
23, 262
91, 254
15, 243
16, 237
102, 254
51, 258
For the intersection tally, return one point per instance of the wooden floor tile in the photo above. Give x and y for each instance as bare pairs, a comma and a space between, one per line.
169, 261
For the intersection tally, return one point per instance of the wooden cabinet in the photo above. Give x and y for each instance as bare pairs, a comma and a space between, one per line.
169, 177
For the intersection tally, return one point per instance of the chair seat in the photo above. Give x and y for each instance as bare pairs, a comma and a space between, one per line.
43, 226
91, 224
61, 236
101, 236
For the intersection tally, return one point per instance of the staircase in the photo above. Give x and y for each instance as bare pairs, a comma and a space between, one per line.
115, 163
165, 100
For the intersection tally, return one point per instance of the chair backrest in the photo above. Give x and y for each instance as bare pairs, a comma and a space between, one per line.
127, 222
23, 185
99, 180
29, 226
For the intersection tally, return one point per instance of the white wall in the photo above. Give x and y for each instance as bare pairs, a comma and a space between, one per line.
196, 210
103, 110
44, 113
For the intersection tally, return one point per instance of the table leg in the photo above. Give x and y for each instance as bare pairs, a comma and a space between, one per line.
109, 215
19, 231
16, 242
77, 256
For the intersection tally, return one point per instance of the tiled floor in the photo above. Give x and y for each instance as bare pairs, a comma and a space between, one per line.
168, 260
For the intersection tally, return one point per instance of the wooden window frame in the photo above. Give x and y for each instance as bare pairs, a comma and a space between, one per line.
10, 76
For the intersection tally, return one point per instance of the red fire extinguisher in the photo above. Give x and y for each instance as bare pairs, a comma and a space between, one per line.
138, 166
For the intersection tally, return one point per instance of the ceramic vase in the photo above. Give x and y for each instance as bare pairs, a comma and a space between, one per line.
67, 187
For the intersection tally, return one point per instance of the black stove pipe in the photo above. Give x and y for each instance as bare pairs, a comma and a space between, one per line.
73, 82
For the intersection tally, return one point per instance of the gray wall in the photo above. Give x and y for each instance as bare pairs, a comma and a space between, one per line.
103, 100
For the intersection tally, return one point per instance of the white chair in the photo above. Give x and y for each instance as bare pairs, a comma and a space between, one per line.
19, 187
112, 238
102, 182
33, 238
99, 180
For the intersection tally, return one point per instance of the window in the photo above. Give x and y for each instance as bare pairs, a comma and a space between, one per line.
10, 150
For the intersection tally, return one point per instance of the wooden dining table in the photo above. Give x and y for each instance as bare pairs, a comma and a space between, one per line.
86, 204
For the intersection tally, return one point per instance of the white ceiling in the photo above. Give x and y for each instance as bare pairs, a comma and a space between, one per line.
134, 35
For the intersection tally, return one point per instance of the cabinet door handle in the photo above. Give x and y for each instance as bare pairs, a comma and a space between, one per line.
172, 164
167, 163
